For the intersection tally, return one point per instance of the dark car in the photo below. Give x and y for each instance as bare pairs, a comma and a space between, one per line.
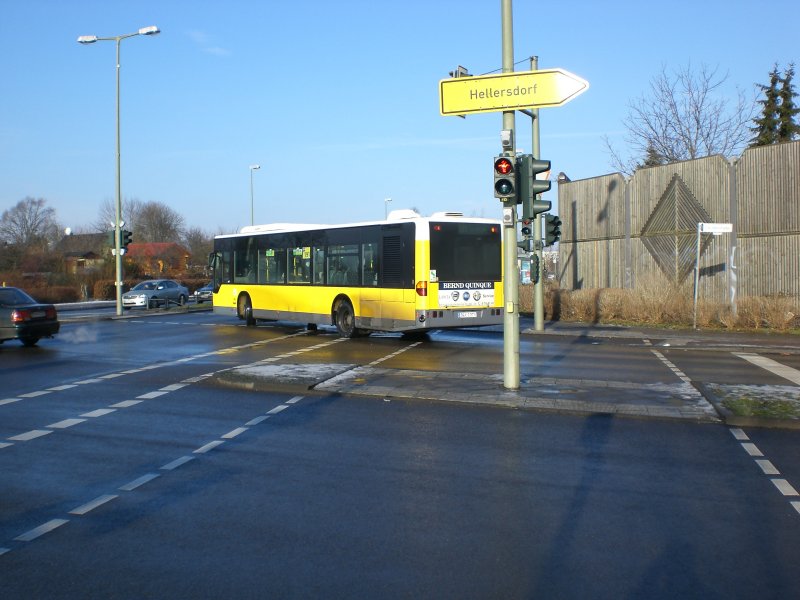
203, 294
23, 318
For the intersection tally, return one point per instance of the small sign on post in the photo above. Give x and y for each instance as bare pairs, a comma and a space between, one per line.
715, 229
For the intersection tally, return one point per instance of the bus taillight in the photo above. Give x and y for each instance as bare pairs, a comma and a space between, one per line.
422, 288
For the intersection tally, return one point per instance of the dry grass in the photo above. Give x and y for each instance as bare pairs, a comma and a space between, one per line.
655, 303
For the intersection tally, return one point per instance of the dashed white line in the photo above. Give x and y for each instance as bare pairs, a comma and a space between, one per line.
132, 485
257, 420
126, 403
41, 530
208, 446
90, 506
31, 435
9, 401
34, 394
277, 409
235, 432
171, 466
100, 412
151, 395
767, 467
784, 487
752, 449
66, 423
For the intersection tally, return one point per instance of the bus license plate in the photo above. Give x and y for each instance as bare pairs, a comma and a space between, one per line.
467, 315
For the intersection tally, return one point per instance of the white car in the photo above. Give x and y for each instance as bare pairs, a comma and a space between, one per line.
155, 292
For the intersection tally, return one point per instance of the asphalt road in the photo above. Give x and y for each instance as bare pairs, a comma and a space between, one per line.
128, 473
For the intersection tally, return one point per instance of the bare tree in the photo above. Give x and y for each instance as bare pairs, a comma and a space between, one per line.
157, 222
108, 213
29, 224
685, 116
199, 243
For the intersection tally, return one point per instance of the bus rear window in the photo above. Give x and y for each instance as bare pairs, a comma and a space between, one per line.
466, 251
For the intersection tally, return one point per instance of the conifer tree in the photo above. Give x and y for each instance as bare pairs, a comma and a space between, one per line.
766, 124
788, 127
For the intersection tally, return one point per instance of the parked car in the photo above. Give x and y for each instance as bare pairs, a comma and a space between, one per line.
204, 293
23, 318
155, 292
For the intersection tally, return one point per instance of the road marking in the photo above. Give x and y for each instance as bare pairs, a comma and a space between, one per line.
66, 423
173, 387
277, 409
151, 395
31, 435
767, 467
100, 412
126, 403
232, 434
739, 434
752, 449
41, 530
177, 463
672, 367
785, 487
90, 506
772, 366
111, 376
34, 394
5, 445
257, 420
61, 388
132, 485
208, 446
9, 401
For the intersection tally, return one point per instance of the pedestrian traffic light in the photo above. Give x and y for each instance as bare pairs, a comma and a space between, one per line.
529, 187
505, 178
127, 238
552, 229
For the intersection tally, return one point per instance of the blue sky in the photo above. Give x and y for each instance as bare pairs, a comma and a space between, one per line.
337, 101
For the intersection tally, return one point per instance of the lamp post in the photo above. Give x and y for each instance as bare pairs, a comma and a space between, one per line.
91, 39
252, 209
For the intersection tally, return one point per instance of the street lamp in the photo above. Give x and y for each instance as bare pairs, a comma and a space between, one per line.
252, 168
91, 39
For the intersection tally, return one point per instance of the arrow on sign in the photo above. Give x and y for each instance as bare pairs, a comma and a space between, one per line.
509, 91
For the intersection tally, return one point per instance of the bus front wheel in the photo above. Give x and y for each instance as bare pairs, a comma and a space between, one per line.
245, 310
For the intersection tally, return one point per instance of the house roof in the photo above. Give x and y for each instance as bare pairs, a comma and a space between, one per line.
155, 250
83, 245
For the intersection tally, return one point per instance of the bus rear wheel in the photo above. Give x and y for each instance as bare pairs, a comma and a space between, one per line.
345, 320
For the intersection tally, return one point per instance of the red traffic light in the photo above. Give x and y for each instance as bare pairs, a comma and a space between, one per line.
503, 166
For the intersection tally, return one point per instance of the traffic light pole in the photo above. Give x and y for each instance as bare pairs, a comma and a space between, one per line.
510, 268
538, 286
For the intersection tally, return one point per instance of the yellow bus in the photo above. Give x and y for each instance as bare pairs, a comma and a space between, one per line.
405, 274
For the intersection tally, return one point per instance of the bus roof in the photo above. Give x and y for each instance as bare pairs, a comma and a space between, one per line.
396, 216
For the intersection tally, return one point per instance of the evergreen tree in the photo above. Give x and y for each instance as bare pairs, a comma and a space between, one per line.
766, 125
788, 110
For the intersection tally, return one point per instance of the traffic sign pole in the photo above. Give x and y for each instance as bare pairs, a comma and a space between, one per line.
538, 286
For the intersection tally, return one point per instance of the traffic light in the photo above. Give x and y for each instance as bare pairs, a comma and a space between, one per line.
127, 238
110, 239
552, 229
529, 187
535, 268
505, 178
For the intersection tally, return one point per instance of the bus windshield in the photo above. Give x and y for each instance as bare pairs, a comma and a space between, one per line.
466, 251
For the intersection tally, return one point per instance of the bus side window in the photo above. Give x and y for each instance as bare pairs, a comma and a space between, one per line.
369, 261
318, 263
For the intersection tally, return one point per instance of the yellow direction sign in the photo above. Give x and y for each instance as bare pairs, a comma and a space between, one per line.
509, 91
